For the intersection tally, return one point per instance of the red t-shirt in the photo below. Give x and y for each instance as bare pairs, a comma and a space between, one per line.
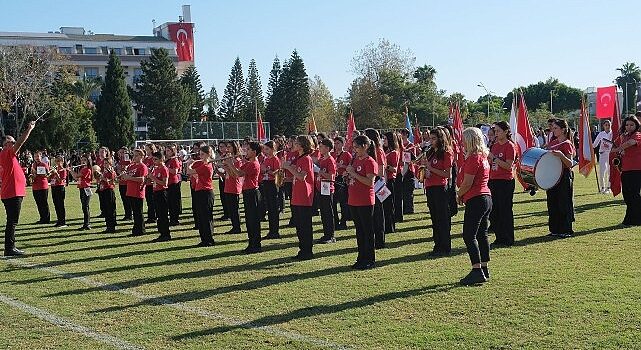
252, 172
136, 189
86, 175
381, 160
506, 151
632, 155
107, 175
342, 161
161, 173
233, 184
359, 194
13, 181
327, 165
269, 165
205, 172
477, 165
566, 147
433, 179
291, 158
174, 163
392, 158
40, 182
303, 190
61, 179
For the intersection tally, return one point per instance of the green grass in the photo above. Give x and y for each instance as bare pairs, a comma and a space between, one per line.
582, 292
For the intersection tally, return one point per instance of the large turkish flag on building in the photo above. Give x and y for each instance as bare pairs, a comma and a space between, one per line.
605, 101
183, 35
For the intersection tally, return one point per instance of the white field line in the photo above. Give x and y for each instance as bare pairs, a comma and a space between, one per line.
66, 324
166, 302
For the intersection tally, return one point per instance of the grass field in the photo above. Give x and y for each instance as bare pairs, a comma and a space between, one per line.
581, 292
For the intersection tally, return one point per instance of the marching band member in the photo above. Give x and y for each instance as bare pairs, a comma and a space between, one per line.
160, 177
150, 149
84, 177
40, 187
121, 168
222, 151
108, 199
452, 181
103, 153
410, 152
362, 173
268, 167
325, 190
376, 151
233, 188
501, 157
398, 181
302, 195
604, 140
204, 201
59, 182
476, 196
250, 172
174, 196
559, 197
438, 167
390, 144
193, 179
343, 159
135, 178
629, 150
279, 143
290, 156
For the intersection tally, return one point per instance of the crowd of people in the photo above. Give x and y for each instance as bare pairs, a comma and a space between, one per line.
367, 178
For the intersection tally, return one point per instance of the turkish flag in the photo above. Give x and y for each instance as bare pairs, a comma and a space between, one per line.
183, 35
606, 98
260, 130
615, 174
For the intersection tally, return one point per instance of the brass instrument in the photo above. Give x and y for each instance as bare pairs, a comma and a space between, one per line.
617, 162
279, 177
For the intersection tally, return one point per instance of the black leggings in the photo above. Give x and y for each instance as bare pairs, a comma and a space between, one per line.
630, 187
502, 215
437, 197
362, 216
477, 212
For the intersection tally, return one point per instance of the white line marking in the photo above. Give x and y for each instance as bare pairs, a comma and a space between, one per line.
226, 320
66, 324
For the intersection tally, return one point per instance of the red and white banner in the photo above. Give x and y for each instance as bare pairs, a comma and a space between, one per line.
183, 35
586, 150
606, 100
615, 174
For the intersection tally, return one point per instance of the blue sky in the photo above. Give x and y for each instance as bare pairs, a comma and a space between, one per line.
503, 44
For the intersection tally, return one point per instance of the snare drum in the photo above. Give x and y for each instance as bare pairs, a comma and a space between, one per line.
540, 168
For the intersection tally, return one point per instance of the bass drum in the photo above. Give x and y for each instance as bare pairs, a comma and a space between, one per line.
540, 168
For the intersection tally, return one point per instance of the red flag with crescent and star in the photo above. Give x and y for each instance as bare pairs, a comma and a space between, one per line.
183, 35
605, 101
615, 174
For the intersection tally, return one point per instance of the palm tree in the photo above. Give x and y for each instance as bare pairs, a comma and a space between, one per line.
85, 87
630, 75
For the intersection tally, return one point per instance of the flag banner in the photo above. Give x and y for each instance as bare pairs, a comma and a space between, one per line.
260, 129
183, 35
457, 126
311, 126
408, 126
417, 130
351, 127
523, 137
615, 174
606, 100
586, 150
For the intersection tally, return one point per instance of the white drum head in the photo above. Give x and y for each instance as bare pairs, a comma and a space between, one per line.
548, 171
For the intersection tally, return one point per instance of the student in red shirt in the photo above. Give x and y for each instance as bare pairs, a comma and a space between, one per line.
342, 158
135, 177
121, 167
160, 178
233, 188
560, 197
103, 153
40, 187
250, 172
501, 184
438, 166
376, 151
290, 156
58, 184
150, 149
204, 201
13, 187
84, 176
325, 190
392, 156
193, 179
174, 196
362, 173
108, 197
629, 149
302, 195
269, 192
476, 196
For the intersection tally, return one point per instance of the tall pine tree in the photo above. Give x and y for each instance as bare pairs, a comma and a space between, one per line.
274, 97
293, 87
194, 93
234, 101
254, 93
161, 97
213, 105
114, 123
274, 74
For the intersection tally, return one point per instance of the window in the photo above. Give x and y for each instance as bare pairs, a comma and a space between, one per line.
139, 52
91, 50
91, 72
65, 50
117, 50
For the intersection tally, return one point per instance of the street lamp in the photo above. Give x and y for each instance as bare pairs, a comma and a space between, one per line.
551, 92
480, 84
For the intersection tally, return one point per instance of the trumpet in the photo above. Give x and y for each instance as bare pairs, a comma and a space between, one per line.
279, 177
617, 161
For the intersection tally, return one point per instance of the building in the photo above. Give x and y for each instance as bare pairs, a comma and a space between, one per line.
89, 51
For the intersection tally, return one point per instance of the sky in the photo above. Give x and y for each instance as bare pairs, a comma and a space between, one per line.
502, 44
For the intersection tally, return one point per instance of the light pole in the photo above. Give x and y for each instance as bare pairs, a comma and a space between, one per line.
551, 92
480, 84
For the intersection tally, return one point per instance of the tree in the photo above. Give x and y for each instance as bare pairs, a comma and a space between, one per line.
213, 105
274, 108
86, 86
160, 97
380, 57
274, 74
630, 75
254, 98
194, 93
114, 123
293, 87
322, 105
234, 101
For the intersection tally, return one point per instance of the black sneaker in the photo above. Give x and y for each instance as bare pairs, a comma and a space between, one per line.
326, 240
271, 236
252, 250
161, 239
341, 227
486, 272
13, 252
474, 277
565, 235
232, 232
365, 266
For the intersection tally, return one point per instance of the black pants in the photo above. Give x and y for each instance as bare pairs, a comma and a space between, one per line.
437, 197
42, 202
272, 204
502, 216
630, 187
232, 206
101, 201
340, 200
362, 217
12, 206
139, 221
58, 197
108, 205
205, 210
408, 193
451, 191
388, 208
149, 197
287, 189
223, 201
303, 229
125, 201
560, 206
161, 202
378, 224
193, 207
251, 202
281, 199
174, 202
475, 221
326, 205
84, 202
398, 198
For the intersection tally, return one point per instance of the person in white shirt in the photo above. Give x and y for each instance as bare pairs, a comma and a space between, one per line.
604, 142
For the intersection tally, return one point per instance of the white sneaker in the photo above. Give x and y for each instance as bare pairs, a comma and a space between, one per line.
607, 191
